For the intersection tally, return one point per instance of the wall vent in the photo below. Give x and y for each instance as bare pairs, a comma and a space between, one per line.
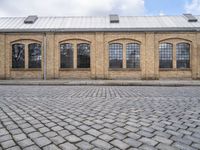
190, 18
30, 19
114, 18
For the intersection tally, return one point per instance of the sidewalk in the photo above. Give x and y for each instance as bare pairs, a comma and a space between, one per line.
104, 82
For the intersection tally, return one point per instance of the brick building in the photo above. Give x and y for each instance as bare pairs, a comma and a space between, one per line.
107, 47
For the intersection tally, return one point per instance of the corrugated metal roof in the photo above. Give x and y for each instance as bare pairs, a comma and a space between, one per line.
127, 23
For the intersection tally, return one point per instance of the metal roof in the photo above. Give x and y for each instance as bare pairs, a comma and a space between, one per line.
102, 23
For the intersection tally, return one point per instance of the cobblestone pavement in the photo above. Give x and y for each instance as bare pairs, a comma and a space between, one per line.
89, 117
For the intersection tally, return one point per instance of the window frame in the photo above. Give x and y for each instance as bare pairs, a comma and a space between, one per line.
87, 64
24, 49
166, 54
71, 57
119, 54
136, 48
40, 61
188, 66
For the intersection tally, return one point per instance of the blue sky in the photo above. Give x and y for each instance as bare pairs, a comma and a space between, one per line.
97, 7
167, 7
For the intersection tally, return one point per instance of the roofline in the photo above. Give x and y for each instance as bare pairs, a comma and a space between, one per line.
192, 29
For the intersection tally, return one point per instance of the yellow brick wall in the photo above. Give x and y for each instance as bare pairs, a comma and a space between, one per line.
99, 68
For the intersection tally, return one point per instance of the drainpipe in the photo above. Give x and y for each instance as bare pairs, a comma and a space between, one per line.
45, 57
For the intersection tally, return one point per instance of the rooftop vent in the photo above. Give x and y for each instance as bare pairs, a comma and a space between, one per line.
30, 19
114, 19
190, 18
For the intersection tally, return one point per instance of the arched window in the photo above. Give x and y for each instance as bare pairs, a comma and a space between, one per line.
66, 55
133, 55
183, 55
83, 55
34, 54
115, 55
18, 55
166, 55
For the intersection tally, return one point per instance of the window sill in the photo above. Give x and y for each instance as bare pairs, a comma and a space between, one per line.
175, 69
124, 69
74, 69
26, 69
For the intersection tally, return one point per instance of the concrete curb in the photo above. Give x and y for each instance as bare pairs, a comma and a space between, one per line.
101, 82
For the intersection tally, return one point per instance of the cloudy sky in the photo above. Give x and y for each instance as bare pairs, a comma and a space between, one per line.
97, 7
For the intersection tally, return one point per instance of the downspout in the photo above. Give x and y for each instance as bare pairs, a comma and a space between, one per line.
45, 57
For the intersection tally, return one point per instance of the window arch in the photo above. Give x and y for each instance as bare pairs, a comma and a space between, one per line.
183, 55
115, 55
133, 55
165, 55
66, 55
83, 55
34, 54
18, 57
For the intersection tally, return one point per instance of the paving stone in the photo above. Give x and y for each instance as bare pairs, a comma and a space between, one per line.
78, 132
163, 140
121, 130
148, 141
63, 133
33, 147
119, 144
50, 134
72, 138
25, 143
162, 146
101, 144
129, 114
183, 146
196, 145
57, 128
118, 136
68, 146
19, 137
88, 138
5, 138
14, 148
107, 131
94, 132
57, 140
44, 129
181, 140
132, 129
84, 145
34, 135
106, 137
42, 141
133, 135
8, 144
132, 142
147, 147
51, 147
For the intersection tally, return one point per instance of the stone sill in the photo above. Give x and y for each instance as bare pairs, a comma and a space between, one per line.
175, 69
74, 69
26, 69
124, 69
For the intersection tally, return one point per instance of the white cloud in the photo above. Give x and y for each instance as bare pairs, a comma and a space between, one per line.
161, 13
193, 7
71, 7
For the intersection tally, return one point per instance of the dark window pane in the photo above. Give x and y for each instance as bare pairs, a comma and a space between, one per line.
83, 55
66, 55
166, 55
133, 55
115, 55
183, 55
18, 56
34, 51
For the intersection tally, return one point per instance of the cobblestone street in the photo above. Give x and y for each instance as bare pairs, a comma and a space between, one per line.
99, 117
